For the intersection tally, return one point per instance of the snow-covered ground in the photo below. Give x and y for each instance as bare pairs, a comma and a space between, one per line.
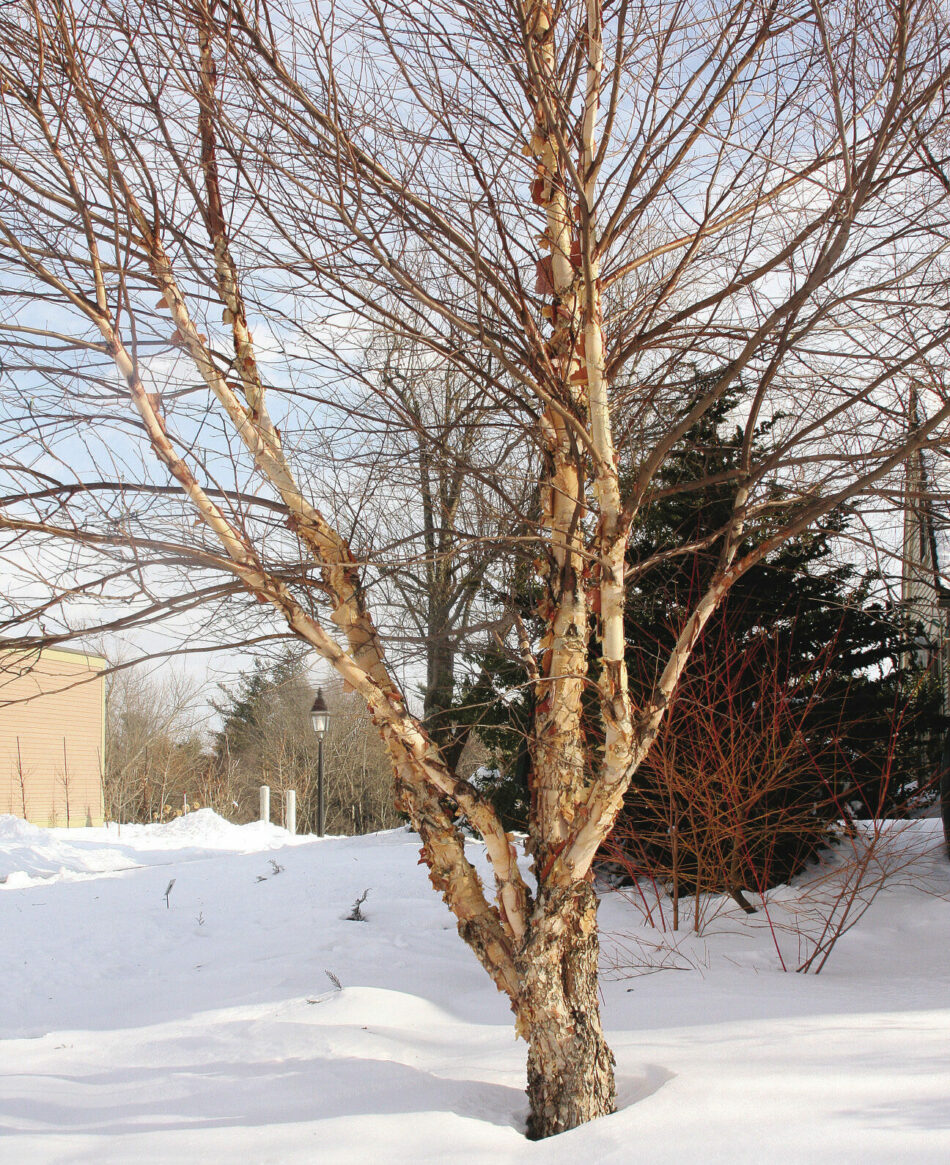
211, 1028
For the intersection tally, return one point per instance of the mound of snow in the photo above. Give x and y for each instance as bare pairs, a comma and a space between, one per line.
28, 852
243, 1016
16, 829
209, 830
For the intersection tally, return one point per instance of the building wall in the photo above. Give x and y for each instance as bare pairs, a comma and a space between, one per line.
52, 736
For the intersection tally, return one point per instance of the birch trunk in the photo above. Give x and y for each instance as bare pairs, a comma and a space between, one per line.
570, 1067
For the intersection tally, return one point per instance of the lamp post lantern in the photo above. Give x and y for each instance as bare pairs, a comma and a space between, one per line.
320, 719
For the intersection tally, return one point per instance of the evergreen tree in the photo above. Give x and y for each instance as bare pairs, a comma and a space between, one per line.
265, 735
812, 621
795, 710
266, 738
245, 708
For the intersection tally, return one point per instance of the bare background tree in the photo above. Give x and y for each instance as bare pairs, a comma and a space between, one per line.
265, 737
153, 749
437, 503
160, 758
600, 218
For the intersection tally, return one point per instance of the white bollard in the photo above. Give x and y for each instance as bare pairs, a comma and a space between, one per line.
290, 810
265, 803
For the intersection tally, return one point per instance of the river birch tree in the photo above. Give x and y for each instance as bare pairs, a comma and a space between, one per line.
603, 216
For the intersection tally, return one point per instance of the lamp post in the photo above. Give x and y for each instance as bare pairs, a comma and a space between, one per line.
320, 719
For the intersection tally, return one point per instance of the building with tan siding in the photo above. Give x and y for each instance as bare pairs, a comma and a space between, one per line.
52, 736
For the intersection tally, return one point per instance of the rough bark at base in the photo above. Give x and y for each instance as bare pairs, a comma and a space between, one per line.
570, 1067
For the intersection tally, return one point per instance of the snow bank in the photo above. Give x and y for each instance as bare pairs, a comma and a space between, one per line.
244, 1017
29, 853
208, 830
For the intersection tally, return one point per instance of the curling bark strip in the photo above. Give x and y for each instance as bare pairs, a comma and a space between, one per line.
559, 760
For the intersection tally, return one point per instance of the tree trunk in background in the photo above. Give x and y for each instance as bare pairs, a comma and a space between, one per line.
438, 699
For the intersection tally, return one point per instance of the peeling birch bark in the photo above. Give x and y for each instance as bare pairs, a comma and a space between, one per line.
570, 1067
559, 759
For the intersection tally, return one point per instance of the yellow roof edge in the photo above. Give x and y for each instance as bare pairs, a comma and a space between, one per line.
70, 654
